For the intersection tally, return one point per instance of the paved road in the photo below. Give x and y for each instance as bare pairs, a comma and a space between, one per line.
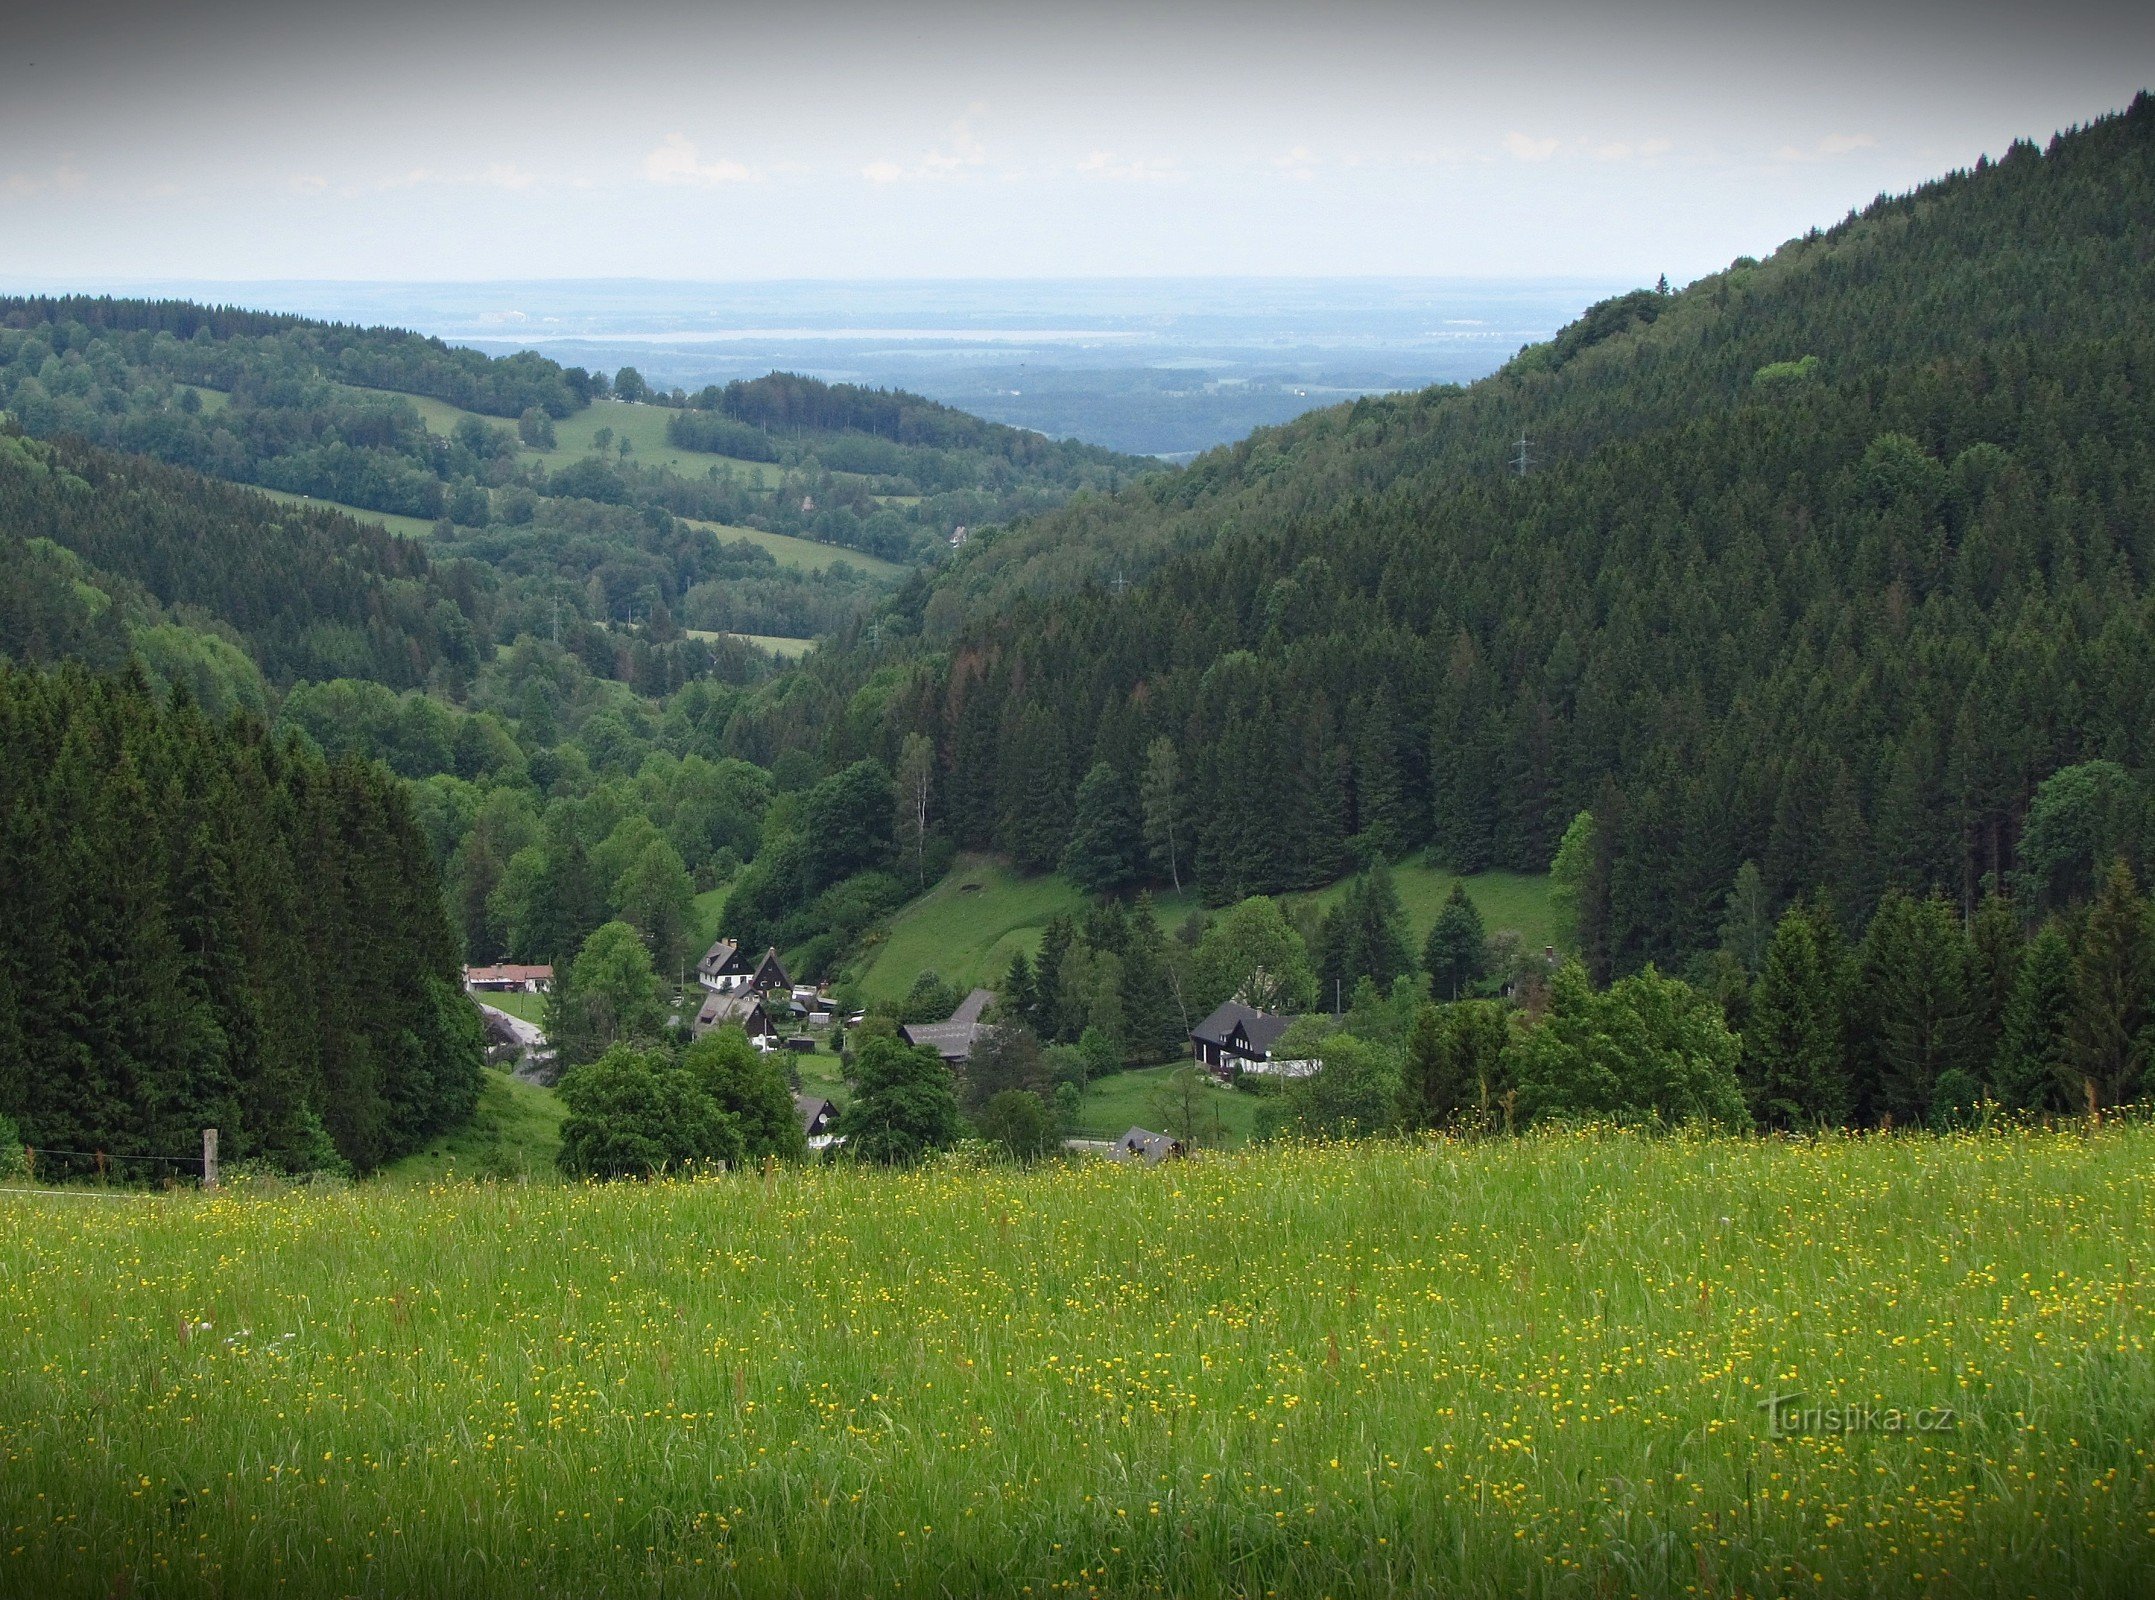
527, 1034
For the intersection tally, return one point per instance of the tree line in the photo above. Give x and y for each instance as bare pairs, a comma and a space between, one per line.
208, 927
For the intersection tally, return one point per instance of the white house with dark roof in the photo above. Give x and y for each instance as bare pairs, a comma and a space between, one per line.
1238, 1038
722, 969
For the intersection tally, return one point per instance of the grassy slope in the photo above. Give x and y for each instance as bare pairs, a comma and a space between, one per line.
518, 1003
709, 905
786, 648
1529, 1367
1114, 1104
968, 926
410, 527
809, 555
516, 1132
645, 428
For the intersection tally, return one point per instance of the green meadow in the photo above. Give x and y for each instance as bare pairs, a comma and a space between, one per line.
1120, 1101
809, 555
395, 522
1536, 1367
967, 926
514, 1133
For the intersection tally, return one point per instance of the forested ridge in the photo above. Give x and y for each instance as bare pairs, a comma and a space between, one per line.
1826, 562
207, 927
326, 410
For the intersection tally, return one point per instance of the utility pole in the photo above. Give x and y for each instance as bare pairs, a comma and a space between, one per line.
1119, 584
1524, 460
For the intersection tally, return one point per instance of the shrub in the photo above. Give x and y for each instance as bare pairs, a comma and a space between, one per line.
634, 1114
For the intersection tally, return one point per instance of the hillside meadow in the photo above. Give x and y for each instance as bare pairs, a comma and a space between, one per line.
970, 923
1531, 1367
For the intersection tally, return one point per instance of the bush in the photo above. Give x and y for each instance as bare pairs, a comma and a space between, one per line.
635, 1114
12, 1161
1020, 1122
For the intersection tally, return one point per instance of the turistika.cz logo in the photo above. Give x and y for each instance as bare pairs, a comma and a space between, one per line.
1787, 1417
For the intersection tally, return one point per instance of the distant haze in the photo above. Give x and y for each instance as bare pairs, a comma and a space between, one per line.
145, 139
1152, 365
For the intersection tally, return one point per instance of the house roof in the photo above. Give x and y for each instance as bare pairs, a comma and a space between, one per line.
973, 1006
508, 974
1260, 1029
771, 972
718, 960
813, 1109
1142, 1144
953, 1041
720, 1009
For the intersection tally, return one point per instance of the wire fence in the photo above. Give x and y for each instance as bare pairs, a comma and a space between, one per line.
111, 1168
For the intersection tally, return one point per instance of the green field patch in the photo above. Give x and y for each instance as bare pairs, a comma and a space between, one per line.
709, 904
514, 1133
644, 427
1538, 1366
809, 555
518, 1003
1122, 1100
395, 522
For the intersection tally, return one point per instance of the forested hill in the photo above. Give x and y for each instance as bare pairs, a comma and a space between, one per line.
100, 552
395, 422
1825, 562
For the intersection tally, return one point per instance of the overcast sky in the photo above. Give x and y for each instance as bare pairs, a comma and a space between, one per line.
450, 140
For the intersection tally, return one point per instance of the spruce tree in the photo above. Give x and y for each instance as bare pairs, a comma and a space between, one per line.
1791, 1043
1456, 953
1102, 854
2108, 1035
2030, 1072
1917, 960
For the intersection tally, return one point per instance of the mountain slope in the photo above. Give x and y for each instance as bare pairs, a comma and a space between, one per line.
1825, 562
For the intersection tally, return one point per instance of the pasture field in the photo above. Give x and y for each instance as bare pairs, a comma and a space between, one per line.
780, 645
809, 555
643, 426
395, 522
1517, 1368
1115, 1103
983, 911
645, 429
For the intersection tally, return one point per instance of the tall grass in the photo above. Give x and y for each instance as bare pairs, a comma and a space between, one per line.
1518, 1368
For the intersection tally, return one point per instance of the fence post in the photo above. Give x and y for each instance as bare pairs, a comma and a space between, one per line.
209, 1158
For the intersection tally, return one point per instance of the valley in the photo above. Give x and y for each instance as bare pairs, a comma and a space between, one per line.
1541, 984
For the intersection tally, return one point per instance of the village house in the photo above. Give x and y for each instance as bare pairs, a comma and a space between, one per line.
725, 969
722, 969
508, 979
1237, 1038
816, 1114
952, 1040
743, 1011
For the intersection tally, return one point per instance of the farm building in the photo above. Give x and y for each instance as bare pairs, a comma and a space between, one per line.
952, 1040
506, 979
743, 1011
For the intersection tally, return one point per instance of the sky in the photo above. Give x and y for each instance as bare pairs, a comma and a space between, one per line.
290, 139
